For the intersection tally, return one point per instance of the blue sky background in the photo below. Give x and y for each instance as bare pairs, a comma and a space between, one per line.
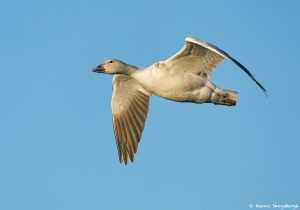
57, 148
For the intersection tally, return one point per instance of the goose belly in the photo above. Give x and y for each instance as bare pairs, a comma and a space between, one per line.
176, 87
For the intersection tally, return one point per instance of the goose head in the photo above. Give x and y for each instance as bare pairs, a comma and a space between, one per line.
111, 66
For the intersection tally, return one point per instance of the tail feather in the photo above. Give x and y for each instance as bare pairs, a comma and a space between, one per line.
231, 91
225, 97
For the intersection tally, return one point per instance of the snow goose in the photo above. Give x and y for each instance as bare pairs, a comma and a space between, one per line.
184, 77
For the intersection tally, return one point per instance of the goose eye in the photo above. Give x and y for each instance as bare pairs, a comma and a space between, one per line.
110, 61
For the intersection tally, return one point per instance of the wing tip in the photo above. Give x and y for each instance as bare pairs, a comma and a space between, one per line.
226, 55
125, 162
264, 91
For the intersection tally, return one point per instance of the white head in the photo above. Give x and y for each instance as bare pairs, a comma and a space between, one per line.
111, 66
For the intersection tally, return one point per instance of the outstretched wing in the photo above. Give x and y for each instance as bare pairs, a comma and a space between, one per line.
129, 111
201, 58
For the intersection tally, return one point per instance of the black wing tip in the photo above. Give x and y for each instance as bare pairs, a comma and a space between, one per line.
264, 90
246, 71
258, 84
126, 162
123, 161
239, 65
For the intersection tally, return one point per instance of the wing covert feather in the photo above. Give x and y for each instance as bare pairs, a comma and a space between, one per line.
201, 58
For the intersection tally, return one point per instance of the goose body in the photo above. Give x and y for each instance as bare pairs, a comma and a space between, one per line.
182, 87
184, 77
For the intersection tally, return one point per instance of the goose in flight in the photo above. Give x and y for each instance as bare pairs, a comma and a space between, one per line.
184, 77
